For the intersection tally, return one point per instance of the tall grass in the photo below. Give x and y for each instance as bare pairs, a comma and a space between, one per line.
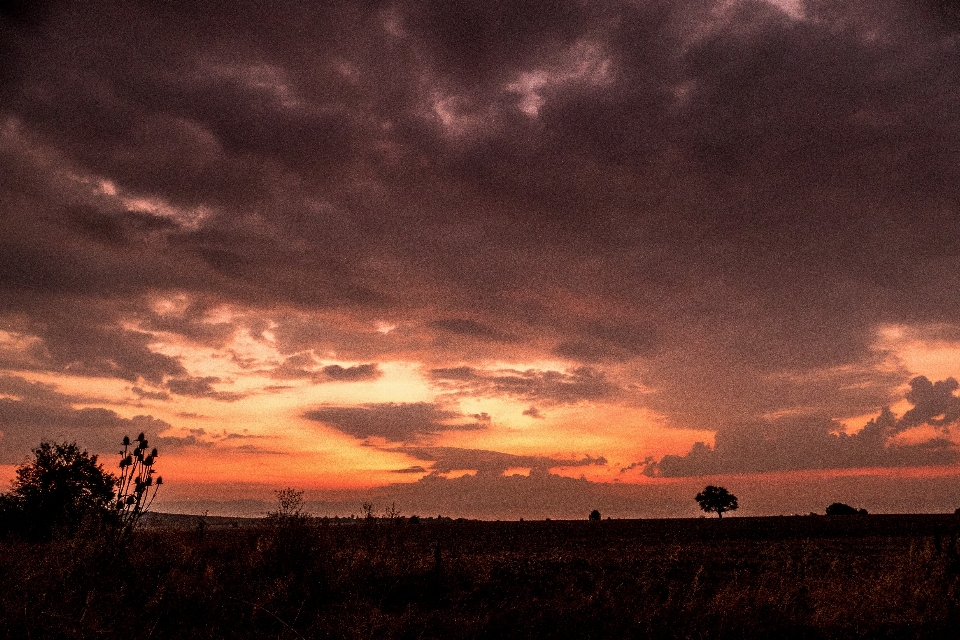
301, 578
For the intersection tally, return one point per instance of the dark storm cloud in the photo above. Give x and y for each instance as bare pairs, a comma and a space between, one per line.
38, 412
396, 422
729, 199
820, 443
556, 387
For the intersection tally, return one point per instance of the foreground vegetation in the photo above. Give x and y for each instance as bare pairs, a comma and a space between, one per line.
295, 577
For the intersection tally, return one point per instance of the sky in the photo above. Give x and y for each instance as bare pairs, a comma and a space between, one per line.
488, 259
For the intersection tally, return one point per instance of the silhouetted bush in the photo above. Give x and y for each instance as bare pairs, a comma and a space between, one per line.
841, 509
595, 516
289, 507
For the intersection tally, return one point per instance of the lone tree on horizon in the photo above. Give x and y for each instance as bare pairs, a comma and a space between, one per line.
717, 499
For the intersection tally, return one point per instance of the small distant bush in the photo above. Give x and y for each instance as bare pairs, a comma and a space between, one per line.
392, 513
290, 507
841, 509
595, 516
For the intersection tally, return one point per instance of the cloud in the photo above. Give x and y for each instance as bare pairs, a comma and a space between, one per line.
555, 387
471, 329
201, 387
618, 341
150, 395
412, 469
304, 365
35, 412
203, 438
533, 412
819, 443
722, 201
396, 422
180, 442
357, 373
934, 403
495, 463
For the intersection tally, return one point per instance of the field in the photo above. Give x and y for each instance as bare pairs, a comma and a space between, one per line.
798, 577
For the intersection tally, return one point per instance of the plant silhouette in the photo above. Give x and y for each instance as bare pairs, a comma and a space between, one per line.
134, 496
58, 491
717, 500
289, 506
841, 509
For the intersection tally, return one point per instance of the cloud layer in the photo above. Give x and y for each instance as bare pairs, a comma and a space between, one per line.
707, 210
820, 443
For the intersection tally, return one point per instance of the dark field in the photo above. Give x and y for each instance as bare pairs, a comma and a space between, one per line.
804, 577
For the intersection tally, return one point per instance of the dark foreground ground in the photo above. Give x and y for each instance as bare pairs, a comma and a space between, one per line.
799, 577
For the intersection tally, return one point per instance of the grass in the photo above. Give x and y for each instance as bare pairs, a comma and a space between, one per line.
799, 577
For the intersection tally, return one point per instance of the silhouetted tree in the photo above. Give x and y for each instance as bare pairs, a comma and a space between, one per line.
57, 491
595, 516
717, 500
841, 509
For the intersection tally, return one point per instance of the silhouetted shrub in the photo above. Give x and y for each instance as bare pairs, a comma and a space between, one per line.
595, 516
841, 509
717, 500
289, 507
